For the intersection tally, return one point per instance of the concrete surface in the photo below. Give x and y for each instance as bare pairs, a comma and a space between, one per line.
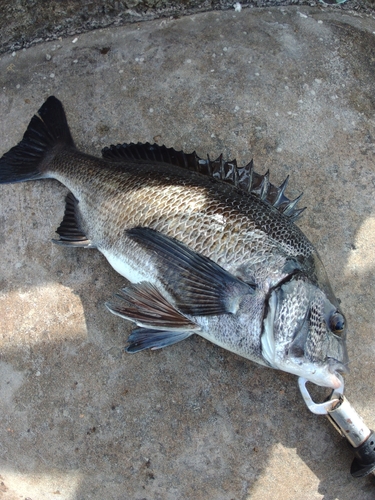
80, 419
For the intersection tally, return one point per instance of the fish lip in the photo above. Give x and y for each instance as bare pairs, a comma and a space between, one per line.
335, 366
337, 369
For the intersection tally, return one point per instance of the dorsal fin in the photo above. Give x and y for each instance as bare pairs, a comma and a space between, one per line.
243, 178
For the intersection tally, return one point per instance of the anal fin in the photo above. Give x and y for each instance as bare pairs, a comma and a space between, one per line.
69, 230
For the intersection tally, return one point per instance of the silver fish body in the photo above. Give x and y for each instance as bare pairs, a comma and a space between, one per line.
220, 259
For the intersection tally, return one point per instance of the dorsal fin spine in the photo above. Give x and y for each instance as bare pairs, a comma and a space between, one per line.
222, 170
289, 209
236, 175
209, 167
245, 179
265, 185
251, 175
282, 188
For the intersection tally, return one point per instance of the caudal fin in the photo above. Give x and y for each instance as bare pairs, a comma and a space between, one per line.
47, 132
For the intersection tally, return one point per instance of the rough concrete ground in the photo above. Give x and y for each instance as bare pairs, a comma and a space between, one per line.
294, 89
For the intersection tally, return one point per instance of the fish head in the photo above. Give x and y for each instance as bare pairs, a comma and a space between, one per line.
304, 331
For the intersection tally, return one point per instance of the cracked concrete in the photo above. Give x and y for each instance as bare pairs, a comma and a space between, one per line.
294, 89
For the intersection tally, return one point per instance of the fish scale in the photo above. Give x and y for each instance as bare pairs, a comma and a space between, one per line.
208, 247
174, 205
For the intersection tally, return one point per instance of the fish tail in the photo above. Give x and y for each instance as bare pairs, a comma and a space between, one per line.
47, 133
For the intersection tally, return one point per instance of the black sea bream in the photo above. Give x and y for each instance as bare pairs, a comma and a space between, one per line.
209, 248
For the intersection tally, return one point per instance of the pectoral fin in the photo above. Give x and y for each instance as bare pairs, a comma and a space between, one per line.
199, 286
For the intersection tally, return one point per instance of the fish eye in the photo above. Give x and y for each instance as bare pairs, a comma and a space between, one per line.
337, 323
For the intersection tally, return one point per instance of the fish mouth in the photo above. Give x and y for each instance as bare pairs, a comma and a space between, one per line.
336, 368
325, 375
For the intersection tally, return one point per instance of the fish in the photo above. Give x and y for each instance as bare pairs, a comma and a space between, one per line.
208, 248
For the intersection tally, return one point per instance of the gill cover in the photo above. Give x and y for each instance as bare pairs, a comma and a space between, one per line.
304, 332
